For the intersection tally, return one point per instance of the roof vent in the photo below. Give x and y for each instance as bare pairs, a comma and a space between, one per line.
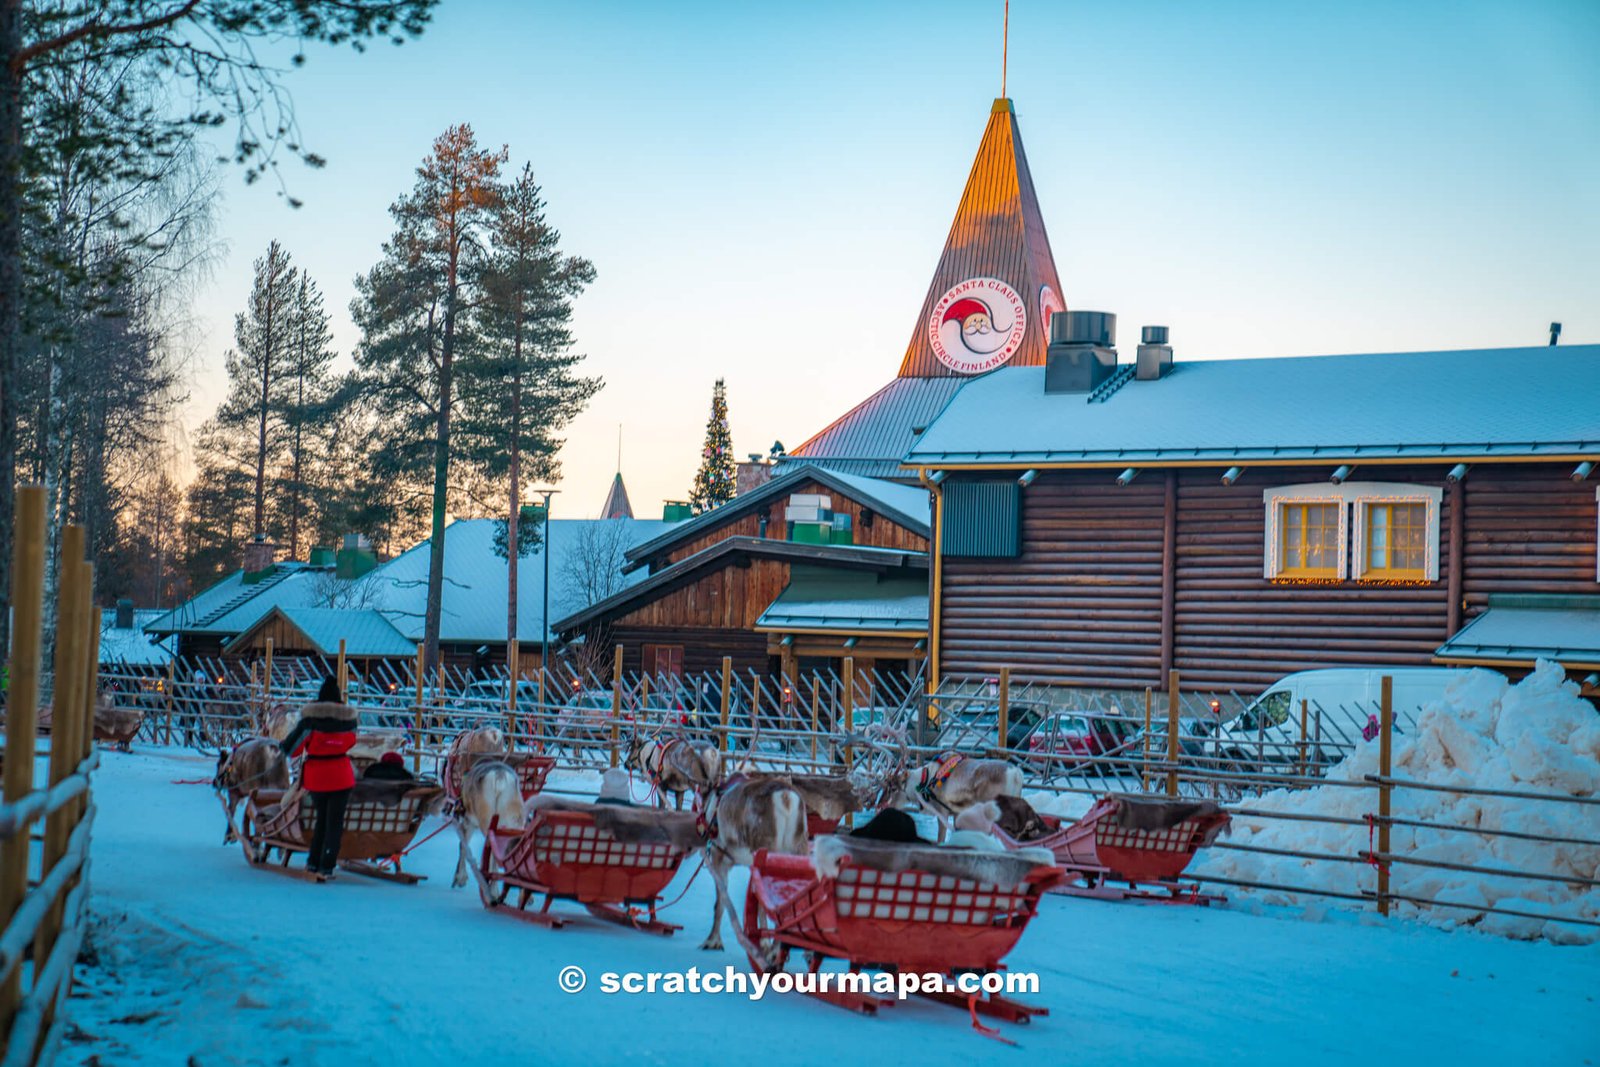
124, 619
1081, 355
1154, 358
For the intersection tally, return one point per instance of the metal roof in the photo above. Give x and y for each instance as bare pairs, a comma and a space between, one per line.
232, 605
871, 437
998, 232
1523, 629
669, 578
903, 504
835, 601
1479, 403
133, 646
476, 580
365, 632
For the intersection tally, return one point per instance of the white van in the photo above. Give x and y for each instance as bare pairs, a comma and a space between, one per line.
1269, 728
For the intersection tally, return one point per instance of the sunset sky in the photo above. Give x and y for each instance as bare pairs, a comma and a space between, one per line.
765, 188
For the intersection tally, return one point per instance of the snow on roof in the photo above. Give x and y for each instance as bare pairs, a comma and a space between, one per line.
1526, 628
365, 632
819, 599
1472, 403
905, 504
475, 579
233, 605
132, 646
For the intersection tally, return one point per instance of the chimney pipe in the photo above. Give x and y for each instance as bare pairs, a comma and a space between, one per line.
1555, 332
124, 614
1154, 357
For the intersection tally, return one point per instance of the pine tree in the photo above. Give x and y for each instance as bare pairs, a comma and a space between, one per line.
305, 410
415, 312
520, 389
715, 481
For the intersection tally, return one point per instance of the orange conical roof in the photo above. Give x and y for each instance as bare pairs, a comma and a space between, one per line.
996, 282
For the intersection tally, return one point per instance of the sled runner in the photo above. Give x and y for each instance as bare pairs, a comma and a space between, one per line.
379, 824
896, 908
1129, 847
614, 861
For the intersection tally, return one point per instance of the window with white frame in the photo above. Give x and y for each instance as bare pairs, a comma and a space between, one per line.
1365, 531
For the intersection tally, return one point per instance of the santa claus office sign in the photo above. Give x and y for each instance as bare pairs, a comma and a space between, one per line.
977, 325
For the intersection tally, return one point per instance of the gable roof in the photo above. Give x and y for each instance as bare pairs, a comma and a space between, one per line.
233, 604
871, 437
906, 505
998, 232
818, 600
365, 632
476, 580
1471, 404
692, 567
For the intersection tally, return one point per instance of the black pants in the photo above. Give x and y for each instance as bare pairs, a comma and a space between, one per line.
329, 808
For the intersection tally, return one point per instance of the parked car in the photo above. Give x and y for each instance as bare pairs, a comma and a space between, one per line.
1346, 697
1079, 735
976, 723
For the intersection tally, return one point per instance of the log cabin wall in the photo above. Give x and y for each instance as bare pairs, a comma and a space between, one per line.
1083, 603
703, 648
883, 533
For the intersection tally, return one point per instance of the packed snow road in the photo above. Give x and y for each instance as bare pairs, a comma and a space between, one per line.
199, 959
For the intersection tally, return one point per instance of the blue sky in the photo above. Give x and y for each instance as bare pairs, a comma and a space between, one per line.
764, 188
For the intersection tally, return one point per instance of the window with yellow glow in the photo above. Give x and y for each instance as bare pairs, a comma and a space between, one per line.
1310, 540
1397, 541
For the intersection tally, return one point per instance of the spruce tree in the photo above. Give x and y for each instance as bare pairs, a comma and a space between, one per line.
715, 481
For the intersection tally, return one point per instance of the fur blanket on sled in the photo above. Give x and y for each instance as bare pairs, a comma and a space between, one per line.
628, 823
1136, 812
1003, 869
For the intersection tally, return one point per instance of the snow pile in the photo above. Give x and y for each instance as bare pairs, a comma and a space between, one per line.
1535, 736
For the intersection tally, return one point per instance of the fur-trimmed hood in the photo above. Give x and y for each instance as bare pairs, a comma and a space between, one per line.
341, 713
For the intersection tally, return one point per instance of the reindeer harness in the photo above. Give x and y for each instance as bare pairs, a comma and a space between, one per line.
931, 780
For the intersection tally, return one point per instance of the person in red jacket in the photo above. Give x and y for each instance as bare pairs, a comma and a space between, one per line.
326, 733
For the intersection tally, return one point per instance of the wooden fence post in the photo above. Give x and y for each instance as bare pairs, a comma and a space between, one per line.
727, 682
68, 719
538, 708
266, 685
616, 702
1144, 770
1172, 733
1003, 716
1304, 716
172, 695
755, 716
514, 666
816, 702
848, 721
1385, 735
416, 733
22, 713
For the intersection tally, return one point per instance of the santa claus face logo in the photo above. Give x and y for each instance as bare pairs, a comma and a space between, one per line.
1049, 304
977, 325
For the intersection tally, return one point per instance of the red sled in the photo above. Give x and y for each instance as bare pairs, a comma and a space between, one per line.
531, 771
563, 855
911, 921
1129, 847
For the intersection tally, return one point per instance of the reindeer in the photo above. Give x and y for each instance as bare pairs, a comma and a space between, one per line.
254, 764
953, 783
471, 747
675, 765
490, 790
742, 817
279, 721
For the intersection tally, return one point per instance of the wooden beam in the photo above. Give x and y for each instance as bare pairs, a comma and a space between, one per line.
1455, 563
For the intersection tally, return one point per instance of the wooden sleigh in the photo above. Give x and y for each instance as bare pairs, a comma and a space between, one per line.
1129, 847
380, 823
565, 855
911, 921
532, 770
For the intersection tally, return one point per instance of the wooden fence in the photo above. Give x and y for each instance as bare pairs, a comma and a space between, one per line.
44, 875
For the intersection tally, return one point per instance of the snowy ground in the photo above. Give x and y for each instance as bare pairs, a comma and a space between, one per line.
201, 959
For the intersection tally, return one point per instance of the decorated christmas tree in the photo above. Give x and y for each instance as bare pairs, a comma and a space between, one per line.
714, 482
